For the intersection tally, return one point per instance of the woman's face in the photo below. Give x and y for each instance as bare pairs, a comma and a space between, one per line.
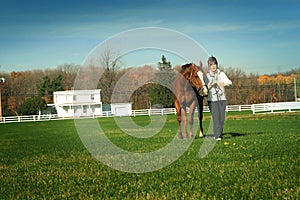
213, 67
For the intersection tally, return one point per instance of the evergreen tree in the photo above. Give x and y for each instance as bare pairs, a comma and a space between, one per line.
47, 87
56, 84
32, 106
164, 65
160, 93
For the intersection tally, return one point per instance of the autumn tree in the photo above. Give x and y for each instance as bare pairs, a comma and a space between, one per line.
236, 93
277, 87
110, 68
12, 105
69, 73
135, 83
17, 86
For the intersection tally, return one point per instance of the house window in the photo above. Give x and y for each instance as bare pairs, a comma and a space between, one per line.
92, 97
98, 106
74, 98
66, 108
85, 108
93, 108
76, 108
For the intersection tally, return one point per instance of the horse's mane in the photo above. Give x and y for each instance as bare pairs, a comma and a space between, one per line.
184, 67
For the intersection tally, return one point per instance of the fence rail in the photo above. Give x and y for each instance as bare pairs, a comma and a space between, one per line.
275, 107
255, 108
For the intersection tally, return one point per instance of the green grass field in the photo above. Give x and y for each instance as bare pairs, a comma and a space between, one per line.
257, 159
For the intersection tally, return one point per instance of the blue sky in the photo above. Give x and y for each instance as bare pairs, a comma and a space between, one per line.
258, 36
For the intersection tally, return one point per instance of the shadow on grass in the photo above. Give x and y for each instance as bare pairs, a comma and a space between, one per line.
227, 135
233, 134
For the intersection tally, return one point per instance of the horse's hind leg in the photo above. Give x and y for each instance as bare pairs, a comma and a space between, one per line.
191, 120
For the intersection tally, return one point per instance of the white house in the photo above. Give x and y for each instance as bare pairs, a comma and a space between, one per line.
75, 103
121, 109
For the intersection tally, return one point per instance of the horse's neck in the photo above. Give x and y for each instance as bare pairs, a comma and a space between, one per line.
185, 85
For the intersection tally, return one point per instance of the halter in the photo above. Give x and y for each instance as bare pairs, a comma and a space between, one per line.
191, 74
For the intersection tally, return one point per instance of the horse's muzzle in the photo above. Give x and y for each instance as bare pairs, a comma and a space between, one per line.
203, 91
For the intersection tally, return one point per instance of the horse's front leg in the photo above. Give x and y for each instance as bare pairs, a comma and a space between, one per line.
200, 114
184, 118
200, 117
191, 119
178, 112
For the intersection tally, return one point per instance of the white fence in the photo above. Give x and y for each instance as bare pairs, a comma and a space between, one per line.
32, 118
28, 118
255, 108
275, 107
150, 112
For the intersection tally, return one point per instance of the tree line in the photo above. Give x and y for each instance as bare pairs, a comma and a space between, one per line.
26, 92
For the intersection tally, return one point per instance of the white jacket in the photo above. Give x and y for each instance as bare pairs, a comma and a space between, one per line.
217, 92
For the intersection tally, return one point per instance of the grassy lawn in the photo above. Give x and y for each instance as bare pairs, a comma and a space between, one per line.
257, 159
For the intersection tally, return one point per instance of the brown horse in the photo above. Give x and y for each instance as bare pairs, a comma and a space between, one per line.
186, 88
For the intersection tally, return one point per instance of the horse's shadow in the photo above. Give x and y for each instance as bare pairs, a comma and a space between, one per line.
232, 134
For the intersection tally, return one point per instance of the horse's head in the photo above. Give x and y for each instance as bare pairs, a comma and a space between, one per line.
190, 73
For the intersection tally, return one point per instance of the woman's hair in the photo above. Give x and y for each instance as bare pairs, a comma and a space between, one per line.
212, 60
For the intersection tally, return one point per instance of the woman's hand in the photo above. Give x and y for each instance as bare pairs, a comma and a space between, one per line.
222, 84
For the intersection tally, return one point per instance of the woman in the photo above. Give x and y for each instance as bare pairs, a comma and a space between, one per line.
217, 81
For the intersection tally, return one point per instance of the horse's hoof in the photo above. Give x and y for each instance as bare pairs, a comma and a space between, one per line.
180, 136
191, 136
201, 134
186, 135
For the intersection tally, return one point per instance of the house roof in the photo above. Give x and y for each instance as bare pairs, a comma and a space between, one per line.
72, 92
78, 103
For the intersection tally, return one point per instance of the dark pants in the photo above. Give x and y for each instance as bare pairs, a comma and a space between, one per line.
218, 109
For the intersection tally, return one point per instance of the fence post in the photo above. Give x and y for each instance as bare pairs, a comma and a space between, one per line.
295, 89
272, 108
265, 107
